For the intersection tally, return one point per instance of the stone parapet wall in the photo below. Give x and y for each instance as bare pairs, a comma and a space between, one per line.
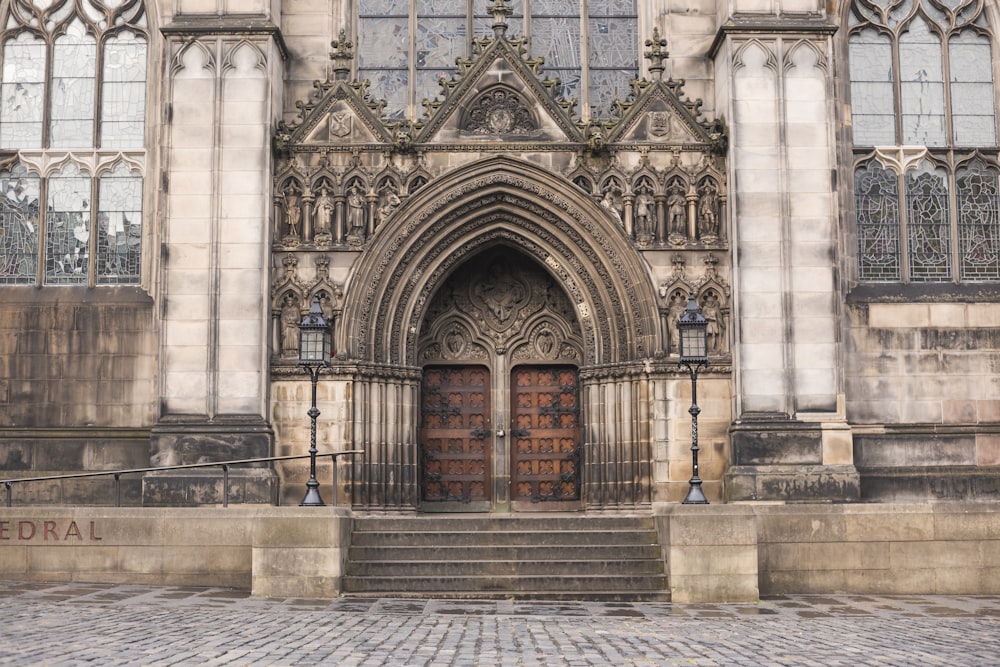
276, 551
713, 553
891, 549
737, 552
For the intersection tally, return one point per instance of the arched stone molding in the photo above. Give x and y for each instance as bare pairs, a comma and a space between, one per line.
500, 201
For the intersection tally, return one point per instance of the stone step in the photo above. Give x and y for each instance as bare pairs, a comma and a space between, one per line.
482, 568
551, 557
653, 595
510, 522
502, 552
505, 584
366, 537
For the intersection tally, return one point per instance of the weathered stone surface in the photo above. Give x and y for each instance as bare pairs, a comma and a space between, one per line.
793, 483
776, 443
185, 488
919, 449
914, 484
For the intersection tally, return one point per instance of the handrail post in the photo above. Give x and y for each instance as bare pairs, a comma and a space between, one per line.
333, 462
118, 489
225, 485
10, 486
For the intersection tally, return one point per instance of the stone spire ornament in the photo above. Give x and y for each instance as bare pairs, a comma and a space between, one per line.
657, 53
341, 56
501, 11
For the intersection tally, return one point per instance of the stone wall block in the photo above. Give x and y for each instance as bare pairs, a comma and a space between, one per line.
198, 530
13, 561
908, 450
319, 531
801, 582
884, 582
16, 455
987, 450
56, 560
703, 588
730, 525
878, 527
933, 555
763, 446
720, 560
811, 556
206, 558
960, 412
813, 526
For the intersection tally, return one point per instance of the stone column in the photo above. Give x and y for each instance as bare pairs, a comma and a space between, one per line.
616, 439
790, 439
384, 403
213, 393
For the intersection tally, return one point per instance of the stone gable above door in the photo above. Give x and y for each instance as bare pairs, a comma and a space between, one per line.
351, 179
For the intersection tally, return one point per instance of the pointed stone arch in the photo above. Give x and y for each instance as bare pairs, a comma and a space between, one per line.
500, 200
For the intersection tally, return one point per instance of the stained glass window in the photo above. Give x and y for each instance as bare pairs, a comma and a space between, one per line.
924, 121
405, 47
978, 223
119, 228
876, 196
59, 58
928, 228
18, 227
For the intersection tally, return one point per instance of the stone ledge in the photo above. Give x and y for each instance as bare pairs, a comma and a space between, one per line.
793, 483
266, 549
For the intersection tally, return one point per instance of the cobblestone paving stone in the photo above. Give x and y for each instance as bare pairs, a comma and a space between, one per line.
76, 624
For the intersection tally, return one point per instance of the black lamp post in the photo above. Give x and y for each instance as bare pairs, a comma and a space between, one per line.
692, 328
315, 345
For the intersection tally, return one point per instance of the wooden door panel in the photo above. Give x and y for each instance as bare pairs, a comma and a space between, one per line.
545, 438
455, 434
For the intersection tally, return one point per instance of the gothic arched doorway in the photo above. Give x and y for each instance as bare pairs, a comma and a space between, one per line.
500, 348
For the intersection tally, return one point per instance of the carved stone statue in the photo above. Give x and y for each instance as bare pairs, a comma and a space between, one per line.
324, 211
390, 202
712, 313
611, 206
708, 212
293, 210
645, 214
678, 304
676, 216
291, 314
355, 212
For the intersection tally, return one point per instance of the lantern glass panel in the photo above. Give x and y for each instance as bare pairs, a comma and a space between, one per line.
694, 341
313, 346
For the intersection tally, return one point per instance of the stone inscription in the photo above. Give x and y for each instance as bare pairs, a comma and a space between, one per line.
47, 531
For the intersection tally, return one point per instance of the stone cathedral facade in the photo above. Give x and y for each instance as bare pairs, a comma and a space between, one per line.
502, 208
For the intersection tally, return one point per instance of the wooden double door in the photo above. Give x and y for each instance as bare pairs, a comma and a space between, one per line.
497, 443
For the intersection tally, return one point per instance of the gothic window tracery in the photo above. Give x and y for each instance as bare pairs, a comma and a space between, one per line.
72, 110
405, 47
924, 123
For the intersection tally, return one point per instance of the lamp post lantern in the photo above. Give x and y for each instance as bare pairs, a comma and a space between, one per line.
692, 328
315, 346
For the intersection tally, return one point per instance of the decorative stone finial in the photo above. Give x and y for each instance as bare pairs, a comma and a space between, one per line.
657, 53
501, 11
341, 56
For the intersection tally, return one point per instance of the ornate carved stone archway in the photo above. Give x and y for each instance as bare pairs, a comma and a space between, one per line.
501, 200
610, 319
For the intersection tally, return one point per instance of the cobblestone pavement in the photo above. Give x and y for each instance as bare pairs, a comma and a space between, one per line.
72, 624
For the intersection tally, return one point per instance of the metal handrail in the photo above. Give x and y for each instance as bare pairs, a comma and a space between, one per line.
9, 483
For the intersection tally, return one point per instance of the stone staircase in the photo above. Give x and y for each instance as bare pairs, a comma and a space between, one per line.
550, 557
